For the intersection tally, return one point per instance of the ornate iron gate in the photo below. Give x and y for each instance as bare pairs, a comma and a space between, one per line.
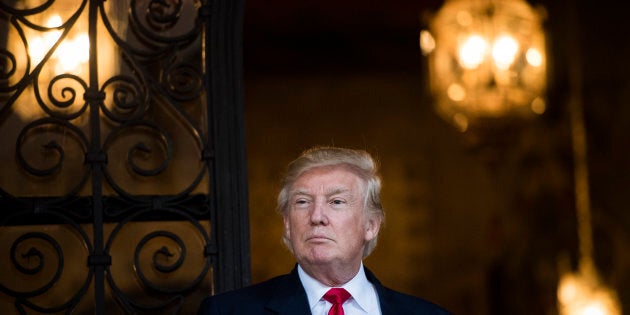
122, 164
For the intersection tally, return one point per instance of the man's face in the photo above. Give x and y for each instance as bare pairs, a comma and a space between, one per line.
325, 222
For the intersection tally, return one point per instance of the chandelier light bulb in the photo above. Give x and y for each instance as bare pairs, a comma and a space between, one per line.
472, 52
504, 51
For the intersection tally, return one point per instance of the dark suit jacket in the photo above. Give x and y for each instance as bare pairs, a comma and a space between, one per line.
285, 295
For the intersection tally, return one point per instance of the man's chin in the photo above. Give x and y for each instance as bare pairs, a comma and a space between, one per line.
318, 256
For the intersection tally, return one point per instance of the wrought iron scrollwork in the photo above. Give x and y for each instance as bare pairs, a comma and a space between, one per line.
127, 99
163, 252
63, 97
40, 259
8, 65
20, 258
100, 150
51, 149
157, 256
163, 14
183, 82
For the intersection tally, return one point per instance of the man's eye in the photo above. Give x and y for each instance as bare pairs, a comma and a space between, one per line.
300, 202
337, 202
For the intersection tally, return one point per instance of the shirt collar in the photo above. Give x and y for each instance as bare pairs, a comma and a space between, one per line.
362, 291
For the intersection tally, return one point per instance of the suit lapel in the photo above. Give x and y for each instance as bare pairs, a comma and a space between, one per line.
383, 300
290, 298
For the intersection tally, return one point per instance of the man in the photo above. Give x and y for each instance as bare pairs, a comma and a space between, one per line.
330, 204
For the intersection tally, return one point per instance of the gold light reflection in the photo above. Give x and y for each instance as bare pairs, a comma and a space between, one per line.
538, 106
39, 45
71, 55
427, 43
486, 60
472, 51
534, 57
504, 51
581, 294
67, 55
456, 92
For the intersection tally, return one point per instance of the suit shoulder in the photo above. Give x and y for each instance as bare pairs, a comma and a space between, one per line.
247, 300
409, 304
257, 291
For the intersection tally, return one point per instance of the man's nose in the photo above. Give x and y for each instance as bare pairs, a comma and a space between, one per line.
318, 214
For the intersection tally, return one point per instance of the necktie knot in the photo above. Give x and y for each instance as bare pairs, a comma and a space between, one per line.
336, 296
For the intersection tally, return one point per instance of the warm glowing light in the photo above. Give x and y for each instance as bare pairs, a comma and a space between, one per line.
427, 42
38, 46
54, 21
456, 92
538, 106
48, 58
461, 122
504, 51
486, 60
594, 309
534, 57
37, 49
579, 294
464, 18
73, 53
472, 52
70, 55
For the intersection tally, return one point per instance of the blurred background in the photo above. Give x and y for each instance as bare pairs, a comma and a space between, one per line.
483, 221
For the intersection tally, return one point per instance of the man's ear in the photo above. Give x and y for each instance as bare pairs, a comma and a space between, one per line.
287, 225
372, 226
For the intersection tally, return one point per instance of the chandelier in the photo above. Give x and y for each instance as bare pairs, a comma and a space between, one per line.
487, 60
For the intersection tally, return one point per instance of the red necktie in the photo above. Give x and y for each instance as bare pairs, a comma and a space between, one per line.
336, 296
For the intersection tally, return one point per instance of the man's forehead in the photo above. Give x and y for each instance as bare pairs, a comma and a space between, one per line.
339, 174
329, 180
327, 170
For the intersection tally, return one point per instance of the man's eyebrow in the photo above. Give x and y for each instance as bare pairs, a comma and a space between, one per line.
329, 192
337, 190
300, 192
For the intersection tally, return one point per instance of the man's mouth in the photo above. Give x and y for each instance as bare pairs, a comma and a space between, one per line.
318, 238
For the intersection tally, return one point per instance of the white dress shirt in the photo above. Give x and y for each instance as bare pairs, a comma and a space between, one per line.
364, 300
